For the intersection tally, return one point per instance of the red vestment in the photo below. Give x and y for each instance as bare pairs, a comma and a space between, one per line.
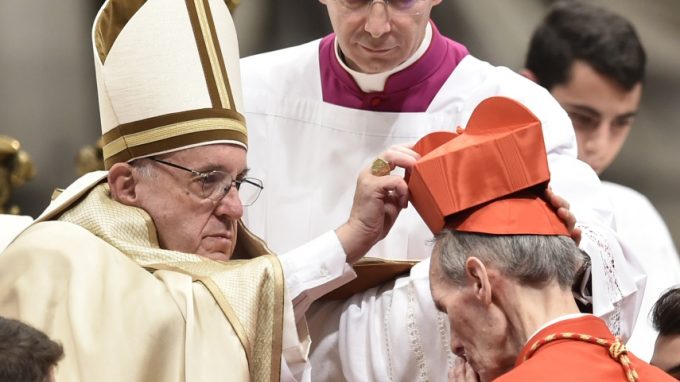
575, 360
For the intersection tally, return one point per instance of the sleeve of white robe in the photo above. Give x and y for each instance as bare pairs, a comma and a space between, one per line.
310, 271
314, 269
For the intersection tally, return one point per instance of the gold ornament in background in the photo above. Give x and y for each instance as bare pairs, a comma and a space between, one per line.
16, 168
232, 4
90, 158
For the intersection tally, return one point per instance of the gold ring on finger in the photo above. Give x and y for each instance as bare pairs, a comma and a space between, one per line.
380, 167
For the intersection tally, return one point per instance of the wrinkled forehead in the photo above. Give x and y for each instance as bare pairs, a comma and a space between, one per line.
218, 155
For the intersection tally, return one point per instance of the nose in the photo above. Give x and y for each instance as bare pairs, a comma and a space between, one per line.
456, 345
230, 205
378, 20
598, 139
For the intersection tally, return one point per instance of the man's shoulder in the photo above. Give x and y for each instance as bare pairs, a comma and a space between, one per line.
625, 193
561, 368
46, 234
60, 244
60, 255
284, 58
637, 219
476, 80
287, 73
562, 362
487, 79
631, 205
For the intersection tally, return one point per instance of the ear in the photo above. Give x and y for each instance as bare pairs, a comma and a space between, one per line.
123, 183
477, 272
528, 74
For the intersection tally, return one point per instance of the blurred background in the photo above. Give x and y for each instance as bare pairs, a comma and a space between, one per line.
48, 98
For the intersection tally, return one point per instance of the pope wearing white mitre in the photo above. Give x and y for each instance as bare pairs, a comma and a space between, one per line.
126, 267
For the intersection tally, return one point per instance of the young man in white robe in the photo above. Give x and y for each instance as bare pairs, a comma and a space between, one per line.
593, 63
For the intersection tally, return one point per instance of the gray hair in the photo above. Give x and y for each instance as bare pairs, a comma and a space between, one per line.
530, 259
144, 168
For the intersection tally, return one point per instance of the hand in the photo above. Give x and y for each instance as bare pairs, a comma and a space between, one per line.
462, 372
562, 208
377, 203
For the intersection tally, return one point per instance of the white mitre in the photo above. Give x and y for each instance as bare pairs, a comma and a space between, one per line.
167, 77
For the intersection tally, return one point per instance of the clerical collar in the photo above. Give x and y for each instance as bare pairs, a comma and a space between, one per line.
369, 83
556, 320
409, 90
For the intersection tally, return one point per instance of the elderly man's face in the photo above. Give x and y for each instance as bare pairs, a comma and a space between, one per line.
186, 222
376, 38
479, 332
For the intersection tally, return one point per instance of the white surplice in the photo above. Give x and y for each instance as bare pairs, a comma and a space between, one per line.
639, 223
309, 154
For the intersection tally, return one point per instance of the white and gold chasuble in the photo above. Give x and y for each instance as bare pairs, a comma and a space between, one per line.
96, 281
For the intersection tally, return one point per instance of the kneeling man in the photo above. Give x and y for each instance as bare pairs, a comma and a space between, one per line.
503, 264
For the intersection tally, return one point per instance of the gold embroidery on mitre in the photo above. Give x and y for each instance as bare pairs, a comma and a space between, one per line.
213, 56
170, 131
176, 131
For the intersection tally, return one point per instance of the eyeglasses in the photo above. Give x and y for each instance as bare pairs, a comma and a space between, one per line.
412, 7
214, 185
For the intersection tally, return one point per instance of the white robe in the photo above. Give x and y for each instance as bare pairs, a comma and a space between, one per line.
639, 223
309, 154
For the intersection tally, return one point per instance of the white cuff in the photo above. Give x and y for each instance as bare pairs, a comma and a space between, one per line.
315, 269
